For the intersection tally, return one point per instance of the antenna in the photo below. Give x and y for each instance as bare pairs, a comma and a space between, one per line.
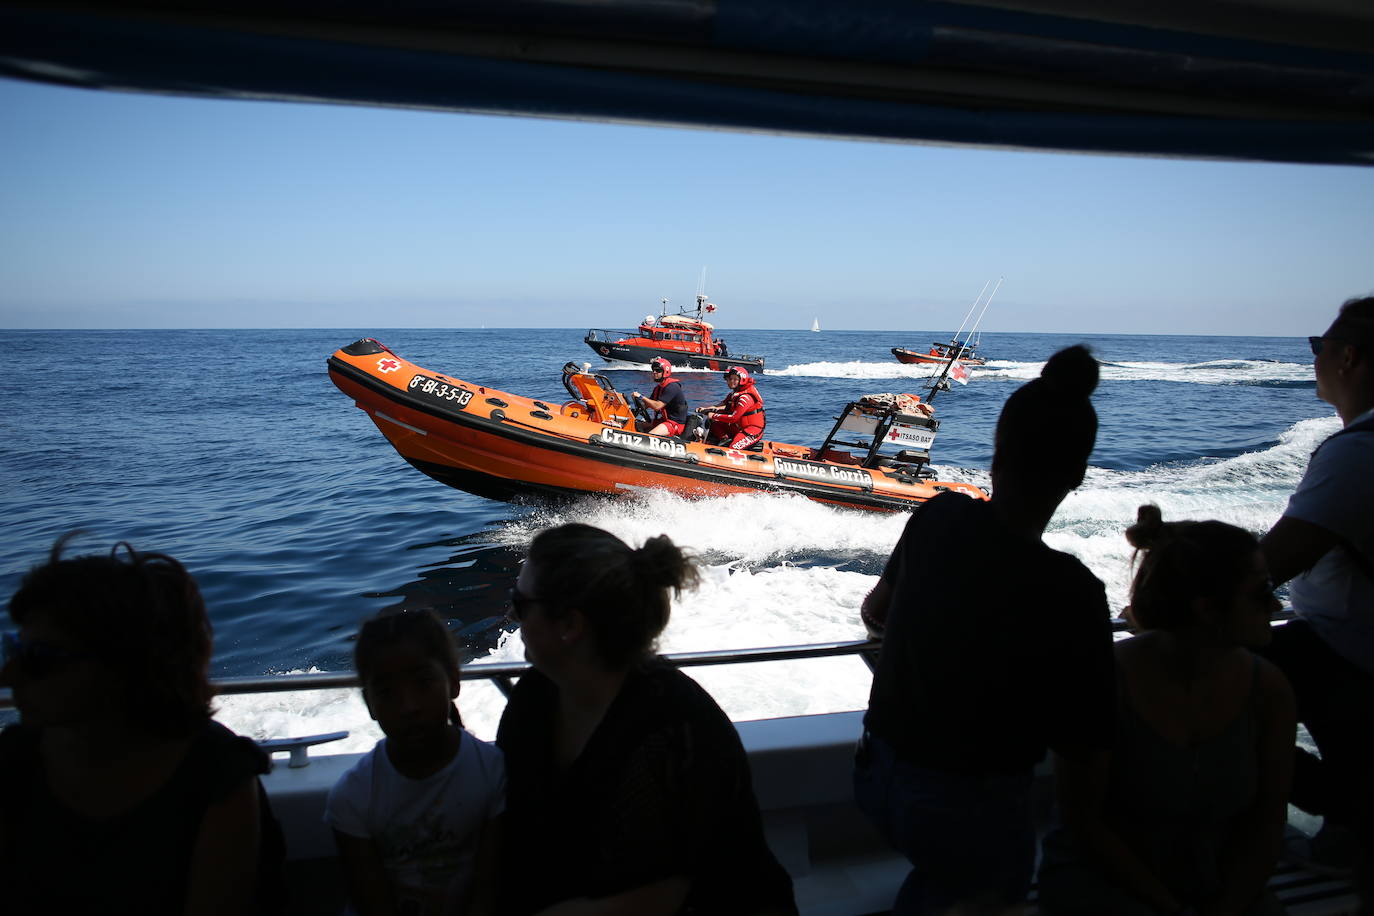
701, 291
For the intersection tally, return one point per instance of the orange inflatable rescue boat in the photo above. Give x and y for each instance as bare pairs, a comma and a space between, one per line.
939, 353
503, 446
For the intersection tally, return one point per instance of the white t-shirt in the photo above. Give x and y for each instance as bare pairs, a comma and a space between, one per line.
425, 830
1337, 493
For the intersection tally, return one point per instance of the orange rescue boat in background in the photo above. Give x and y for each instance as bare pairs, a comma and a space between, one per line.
684, 339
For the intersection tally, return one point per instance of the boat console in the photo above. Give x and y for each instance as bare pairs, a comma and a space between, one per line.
595, 398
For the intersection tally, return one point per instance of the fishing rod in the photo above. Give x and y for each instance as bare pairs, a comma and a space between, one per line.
976, 329
969, 315
938, 384
954, 342
956, 349
977, 324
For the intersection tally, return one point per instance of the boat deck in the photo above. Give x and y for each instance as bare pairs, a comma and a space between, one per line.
803, 777
802, 769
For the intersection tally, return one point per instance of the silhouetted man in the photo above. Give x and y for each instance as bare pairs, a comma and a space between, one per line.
1324, 543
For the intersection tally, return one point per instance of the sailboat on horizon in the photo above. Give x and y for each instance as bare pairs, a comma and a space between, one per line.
816, 324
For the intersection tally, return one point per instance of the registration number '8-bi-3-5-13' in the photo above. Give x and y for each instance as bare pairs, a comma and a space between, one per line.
443, 391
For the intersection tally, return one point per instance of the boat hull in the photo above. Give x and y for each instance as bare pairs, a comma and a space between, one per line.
635, 353
504, 446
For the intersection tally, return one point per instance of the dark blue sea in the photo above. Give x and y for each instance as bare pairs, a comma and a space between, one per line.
232, 451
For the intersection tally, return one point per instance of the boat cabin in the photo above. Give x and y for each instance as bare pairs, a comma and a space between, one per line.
679, 332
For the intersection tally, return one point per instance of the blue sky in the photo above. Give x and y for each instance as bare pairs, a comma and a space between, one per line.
128, 211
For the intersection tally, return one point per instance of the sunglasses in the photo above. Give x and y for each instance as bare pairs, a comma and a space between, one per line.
1319, 343
36, 659
520, 604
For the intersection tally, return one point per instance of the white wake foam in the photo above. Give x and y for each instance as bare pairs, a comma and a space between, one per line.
1249, 490
620, 366
756, 529
860, 369
1211, 372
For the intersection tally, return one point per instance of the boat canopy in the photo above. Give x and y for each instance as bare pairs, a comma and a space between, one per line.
1271, 80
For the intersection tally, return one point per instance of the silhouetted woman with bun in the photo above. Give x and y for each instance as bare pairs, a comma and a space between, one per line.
1185, 813
628, 790
995, 648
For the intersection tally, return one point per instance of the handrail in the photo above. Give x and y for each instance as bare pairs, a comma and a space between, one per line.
501, 673
496, 671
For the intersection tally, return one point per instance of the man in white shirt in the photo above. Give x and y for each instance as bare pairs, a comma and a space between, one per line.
1324, 543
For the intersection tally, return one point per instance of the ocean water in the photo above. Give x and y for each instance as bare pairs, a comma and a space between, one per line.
232, 451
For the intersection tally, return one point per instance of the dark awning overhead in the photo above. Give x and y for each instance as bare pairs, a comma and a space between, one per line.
1279, 80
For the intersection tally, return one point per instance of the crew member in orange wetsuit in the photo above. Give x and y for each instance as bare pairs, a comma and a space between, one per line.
739, 420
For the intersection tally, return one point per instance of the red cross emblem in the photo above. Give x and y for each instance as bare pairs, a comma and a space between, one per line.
387, 364
735, 455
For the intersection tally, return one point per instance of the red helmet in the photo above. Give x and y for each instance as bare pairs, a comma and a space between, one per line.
739, 372
661, 365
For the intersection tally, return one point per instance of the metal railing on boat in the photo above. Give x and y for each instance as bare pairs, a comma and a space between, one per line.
502, 673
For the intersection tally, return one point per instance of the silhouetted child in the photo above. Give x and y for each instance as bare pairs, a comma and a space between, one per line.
415, 817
